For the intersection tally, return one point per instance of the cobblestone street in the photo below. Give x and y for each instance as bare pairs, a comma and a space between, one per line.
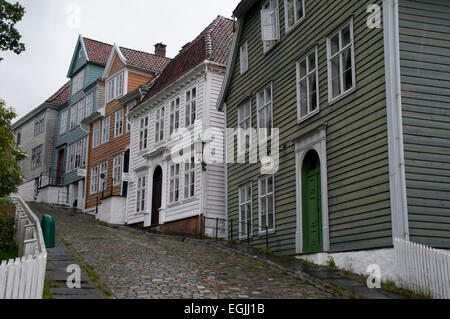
136, 264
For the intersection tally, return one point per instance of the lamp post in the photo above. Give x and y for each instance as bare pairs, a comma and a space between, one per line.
199, 147
102, 176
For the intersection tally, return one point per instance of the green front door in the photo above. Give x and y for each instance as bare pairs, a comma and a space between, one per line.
311, 202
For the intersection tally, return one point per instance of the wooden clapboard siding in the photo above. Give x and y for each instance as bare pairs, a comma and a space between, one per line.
117, 64
136, 80
425, 69
357, 151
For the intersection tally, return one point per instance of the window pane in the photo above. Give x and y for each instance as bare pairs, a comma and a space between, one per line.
313, 92
303, 98
299, 7
303, 69
348, 76
334, 44
312, 62
290, 12
262, 183
346, 36
269, 184
335, 83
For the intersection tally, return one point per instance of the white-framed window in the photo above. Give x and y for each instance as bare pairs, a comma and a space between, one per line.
270, 24
39, 124
118, 123
141, 194
76, 155
105, 129
174, 115
191, 106
80, 106
93, 189
244, 124
127, 119
243, 55
117, 170
63, 122
159, 125
245, 210
264, 103
103, 182
89, 104
266, 203
307, 85
143, 133
18, 137
341, 62
174, 182
36, 157
189, 176
96, 133
78, 82
73, 116
115, 87
294, 12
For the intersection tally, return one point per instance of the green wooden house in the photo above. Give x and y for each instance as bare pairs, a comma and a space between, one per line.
359, 93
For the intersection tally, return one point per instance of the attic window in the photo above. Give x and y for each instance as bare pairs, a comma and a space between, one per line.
79, 54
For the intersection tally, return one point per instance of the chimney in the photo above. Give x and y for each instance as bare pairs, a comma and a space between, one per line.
160, 49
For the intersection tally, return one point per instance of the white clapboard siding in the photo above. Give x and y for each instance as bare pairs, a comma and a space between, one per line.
23, 277
423, 269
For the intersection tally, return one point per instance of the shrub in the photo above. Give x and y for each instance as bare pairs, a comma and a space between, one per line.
6, 231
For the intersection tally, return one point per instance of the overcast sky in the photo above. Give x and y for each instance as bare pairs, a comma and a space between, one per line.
50, 29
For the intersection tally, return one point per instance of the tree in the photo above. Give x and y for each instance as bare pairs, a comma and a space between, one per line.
10, 153
10, 14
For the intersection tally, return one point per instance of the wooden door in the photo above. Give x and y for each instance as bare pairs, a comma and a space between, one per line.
126, 169
156, 196
311, 204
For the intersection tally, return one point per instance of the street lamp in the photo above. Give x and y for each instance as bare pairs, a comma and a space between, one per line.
199, 147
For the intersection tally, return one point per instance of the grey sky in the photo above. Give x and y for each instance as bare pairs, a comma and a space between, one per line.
49, 31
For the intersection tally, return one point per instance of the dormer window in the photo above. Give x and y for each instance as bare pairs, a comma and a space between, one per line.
78, 82
115, 87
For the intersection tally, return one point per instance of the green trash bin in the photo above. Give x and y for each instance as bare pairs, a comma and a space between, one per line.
48, 230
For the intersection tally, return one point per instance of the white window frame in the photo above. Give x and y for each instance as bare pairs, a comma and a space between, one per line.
243, 57
76, 155
118, 123
270, 7
306, 78
297, 19
265, 196
106, 125
159, 124
141, 194
63, 122
245, 124
174, 183
174, 109
117, 170
115, 87
128, 123
103, 168
95, 175
89, 104
266, 104
39, 124
339, 54
78, 82
96, 133
243, 202
81, 108
189, 176
36, 157
191, 106
143, 133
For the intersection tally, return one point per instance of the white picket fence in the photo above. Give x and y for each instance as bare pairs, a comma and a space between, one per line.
423, 269
23, 278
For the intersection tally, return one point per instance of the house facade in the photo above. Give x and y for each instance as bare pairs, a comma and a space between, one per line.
68, 172
35, 133
109, 138
172, 187
359, 154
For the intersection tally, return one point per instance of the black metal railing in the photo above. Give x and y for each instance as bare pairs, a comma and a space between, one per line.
52, 177
244, 231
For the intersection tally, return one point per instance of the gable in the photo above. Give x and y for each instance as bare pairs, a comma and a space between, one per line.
117, 65
79, 58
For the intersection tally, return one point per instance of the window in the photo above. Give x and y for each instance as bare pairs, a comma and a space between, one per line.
115, 87
270, 24
266, 204
244, 124
189, 176
103, 182
73, 116
141, 194
105, 129
264, 103
96, 134
118, 123
174, 115
244, 58
89, 104
78, 82
36, 157
18, 137
159, 127
117, 170
245, 210
143, 133
341, 62
76, 155
294, 12
307, 86
93, 189
174, 183
191, 106
39, 124
81, 105
63, 122
129, 107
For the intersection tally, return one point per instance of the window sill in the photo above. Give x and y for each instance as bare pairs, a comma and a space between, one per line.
332, 101
307, 117
288, 30
182, 202
269, 232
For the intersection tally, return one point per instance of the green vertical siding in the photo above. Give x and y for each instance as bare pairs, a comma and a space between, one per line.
425, 75
358, 181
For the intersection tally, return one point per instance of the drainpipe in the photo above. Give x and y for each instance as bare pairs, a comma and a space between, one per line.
226, 168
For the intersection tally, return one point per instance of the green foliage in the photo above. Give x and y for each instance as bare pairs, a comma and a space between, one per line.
6, 232
332, 264
10, 14
10, 153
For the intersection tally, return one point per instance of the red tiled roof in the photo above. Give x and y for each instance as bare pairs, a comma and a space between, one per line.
213, 44
98, 52
61, 96
144, 60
